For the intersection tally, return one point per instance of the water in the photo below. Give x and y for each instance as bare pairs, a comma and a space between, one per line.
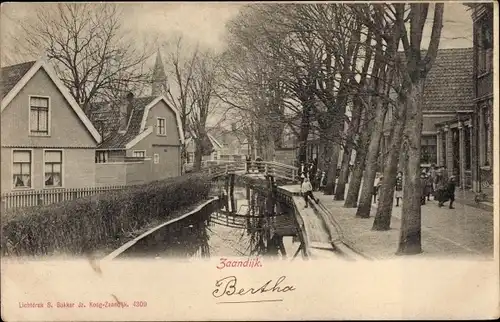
214, 234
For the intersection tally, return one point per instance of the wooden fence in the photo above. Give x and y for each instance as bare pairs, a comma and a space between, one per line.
31, 198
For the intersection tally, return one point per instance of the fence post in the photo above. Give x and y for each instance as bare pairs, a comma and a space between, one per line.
265, 169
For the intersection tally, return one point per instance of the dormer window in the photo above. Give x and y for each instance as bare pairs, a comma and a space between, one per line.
39, 115
160, 126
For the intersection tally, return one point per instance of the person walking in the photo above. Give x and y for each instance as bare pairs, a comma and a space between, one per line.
306, 190
249, 163
317, 180
425, 186
448, 193
432, 179
322, 183
398, 191
438, 183
302, 172
376, 183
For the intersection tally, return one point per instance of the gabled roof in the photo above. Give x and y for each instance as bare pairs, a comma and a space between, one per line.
15, 77
213, 141
449, 86
106, 114
11, 75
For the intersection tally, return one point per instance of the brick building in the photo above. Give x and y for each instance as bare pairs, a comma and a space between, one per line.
482, 163
447, 110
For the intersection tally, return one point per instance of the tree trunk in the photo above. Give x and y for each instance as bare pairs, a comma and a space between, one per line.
410, 241
386, 199
334, 137
365, 201
351, 200
344, 174
346, 159
304, 133
331, 175
197, 155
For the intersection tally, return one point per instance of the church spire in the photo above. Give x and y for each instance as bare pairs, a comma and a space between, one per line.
159, 82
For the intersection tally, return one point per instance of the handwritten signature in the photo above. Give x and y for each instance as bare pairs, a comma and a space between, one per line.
228, 286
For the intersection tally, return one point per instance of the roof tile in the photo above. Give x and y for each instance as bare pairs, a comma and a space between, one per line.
106, 115
11, 75
449, 86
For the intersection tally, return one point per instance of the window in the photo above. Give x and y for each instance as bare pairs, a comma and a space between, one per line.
139, 154
53, 168
467, 150
156, 158
485, 135
39, 115
21, 169
484, 46
102, 157
190, 158
429, 150
160, 126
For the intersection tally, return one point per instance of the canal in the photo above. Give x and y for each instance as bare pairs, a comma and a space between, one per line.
216, 233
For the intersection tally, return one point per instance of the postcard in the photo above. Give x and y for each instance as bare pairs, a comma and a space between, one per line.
249, 161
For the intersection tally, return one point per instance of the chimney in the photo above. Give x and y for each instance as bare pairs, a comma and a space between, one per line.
126, 107
130, 104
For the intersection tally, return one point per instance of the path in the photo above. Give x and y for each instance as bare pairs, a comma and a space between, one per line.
464, 231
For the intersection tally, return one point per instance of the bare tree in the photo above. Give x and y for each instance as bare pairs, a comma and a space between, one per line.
89, 49
202, 91
181, 62
417, 68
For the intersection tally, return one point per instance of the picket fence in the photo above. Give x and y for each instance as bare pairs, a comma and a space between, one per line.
31, 198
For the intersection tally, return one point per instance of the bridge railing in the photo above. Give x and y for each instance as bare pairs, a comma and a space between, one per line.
275, 169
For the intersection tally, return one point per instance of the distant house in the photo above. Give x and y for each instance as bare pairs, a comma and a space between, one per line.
47, 141
142, 140
234, 143
191, 148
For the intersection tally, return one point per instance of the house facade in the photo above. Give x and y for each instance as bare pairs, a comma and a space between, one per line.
191, 148
47, 142
482, 120
142, 141
447, 115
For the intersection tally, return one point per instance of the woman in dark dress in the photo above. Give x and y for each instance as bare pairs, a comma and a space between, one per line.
448, 193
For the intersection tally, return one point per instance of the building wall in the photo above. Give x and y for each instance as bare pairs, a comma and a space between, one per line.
110, 174
66, 132
139, 172
78, 169
66, 128
482, 163
167, 147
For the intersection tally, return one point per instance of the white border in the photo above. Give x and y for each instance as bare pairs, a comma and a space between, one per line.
63, 162
49, 116
64, 91
176, 112
32, 166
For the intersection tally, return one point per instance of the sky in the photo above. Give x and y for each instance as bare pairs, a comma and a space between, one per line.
204, 22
